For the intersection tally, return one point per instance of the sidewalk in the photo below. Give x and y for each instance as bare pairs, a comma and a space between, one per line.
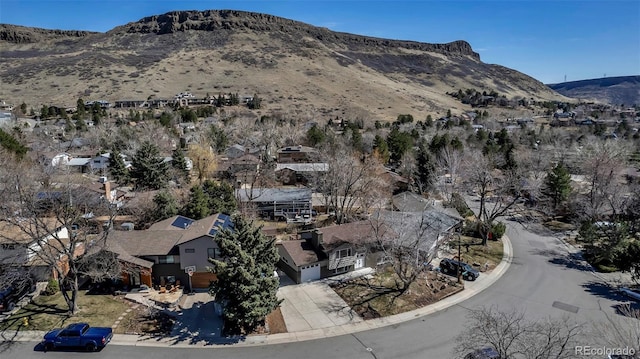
299, 332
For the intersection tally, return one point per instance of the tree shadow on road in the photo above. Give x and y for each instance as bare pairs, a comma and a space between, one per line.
568, 260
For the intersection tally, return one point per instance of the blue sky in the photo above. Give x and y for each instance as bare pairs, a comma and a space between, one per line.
579, 39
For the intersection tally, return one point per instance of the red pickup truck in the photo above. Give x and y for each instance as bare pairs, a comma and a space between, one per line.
79, 335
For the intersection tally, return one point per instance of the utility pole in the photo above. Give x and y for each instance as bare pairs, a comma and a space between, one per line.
459, 258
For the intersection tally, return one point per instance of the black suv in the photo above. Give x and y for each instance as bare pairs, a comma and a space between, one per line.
450, 266
10, 295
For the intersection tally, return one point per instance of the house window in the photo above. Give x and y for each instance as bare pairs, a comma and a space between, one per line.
189, 250
340, 270
213, 253
343, 253
167, 259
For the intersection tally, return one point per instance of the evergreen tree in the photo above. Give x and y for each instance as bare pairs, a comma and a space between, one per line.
557, 184
44, 112
11, 144
180, 164
165, 206
315, 136
81, 126
198, 205
149, 169
80, 109
218, 139
399, 143
246, 284
381, 148
221, 197
425, 169
118, 169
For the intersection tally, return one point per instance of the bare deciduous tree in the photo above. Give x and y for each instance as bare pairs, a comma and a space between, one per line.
620, 331
347, 182
49, 225
514, 336
498, 190
602, 165
450, 164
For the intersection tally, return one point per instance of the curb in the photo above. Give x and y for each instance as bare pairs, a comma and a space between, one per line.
257, 340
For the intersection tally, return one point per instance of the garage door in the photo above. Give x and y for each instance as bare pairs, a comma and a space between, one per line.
202, 279
309, 273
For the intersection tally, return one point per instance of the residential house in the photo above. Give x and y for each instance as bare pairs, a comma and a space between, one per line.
328, 251
294, 173
277, 203
24, 245
237, 150
292, 154
243, 169
175, 244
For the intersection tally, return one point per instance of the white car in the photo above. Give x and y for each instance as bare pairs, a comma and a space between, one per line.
633, 294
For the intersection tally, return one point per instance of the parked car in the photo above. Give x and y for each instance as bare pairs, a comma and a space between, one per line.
78, 335
633, 294
484, 353
11, 294
450, 266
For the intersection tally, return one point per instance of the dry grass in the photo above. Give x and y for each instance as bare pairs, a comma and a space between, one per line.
426, 290
478, 255
47, 312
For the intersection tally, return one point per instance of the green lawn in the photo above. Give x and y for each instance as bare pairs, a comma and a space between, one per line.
47, 312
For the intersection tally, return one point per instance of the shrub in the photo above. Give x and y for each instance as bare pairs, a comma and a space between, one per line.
498, 230
52, 287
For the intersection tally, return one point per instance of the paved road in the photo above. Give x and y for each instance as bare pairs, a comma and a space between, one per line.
543, 279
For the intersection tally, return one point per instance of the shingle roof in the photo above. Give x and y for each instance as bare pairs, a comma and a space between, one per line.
302, 252
409, 202
360, 232
146, 243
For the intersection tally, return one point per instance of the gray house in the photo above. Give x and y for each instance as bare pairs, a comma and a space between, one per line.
174, 245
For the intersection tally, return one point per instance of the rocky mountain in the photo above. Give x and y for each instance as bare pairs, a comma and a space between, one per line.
294, 67
612, 90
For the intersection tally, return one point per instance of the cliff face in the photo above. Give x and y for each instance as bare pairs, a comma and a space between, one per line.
293, 66
27, 35
231, 20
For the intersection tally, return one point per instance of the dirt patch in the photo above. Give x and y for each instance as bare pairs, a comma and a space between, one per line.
274, 324
360, 294
144, 320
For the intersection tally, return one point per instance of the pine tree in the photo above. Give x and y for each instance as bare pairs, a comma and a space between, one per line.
118, 169
425, 169
246, 284
557, 184
381, 149
221, 197
165, 206
180, 164
198, 205
149, 170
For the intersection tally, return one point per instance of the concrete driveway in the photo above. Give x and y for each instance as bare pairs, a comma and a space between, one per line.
313, 305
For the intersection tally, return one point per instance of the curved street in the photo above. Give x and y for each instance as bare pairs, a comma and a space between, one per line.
543, 279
